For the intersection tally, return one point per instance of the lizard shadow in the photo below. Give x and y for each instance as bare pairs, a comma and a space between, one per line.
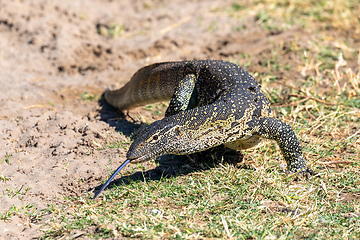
168, 166
116, 118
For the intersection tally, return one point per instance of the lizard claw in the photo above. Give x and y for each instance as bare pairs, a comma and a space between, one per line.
306, 172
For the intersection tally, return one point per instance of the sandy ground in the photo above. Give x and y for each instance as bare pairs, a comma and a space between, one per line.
51, 52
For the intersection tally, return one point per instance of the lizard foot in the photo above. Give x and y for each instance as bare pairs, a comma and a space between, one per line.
306, 172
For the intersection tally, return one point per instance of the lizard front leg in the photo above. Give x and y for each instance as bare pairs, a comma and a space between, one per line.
284, 135
184, 97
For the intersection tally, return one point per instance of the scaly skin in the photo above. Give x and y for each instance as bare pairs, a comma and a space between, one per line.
212, 103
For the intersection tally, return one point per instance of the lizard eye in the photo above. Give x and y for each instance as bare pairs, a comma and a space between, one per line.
153, 139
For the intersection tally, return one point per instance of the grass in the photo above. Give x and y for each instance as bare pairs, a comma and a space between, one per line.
113, 31
86, 96
6, 158
317, 92
216, 203
317, 16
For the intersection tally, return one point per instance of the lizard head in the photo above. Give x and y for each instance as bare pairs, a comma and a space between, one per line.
155, 140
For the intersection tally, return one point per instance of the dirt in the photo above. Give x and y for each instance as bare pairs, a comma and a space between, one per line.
53, 138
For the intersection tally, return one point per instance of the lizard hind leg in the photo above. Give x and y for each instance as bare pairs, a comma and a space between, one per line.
184, 97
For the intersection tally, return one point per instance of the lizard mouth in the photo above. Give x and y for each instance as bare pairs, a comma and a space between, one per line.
145, 157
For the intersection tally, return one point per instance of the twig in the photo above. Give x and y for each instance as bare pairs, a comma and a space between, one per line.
291, 104
35, 106
175, 25
312, 98
335, 162
225, 226
303, 100
353, 135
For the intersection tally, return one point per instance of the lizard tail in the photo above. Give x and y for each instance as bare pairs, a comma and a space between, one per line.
150, 84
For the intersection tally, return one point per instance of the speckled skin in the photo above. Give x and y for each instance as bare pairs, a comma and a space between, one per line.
212, 103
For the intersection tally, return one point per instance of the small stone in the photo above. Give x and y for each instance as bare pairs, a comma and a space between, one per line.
155, 211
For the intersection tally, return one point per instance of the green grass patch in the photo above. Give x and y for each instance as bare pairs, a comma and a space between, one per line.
86, 96
221, 202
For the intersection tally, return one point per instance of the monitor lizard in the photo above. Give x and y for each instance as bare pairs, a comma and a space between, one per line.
212, 102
